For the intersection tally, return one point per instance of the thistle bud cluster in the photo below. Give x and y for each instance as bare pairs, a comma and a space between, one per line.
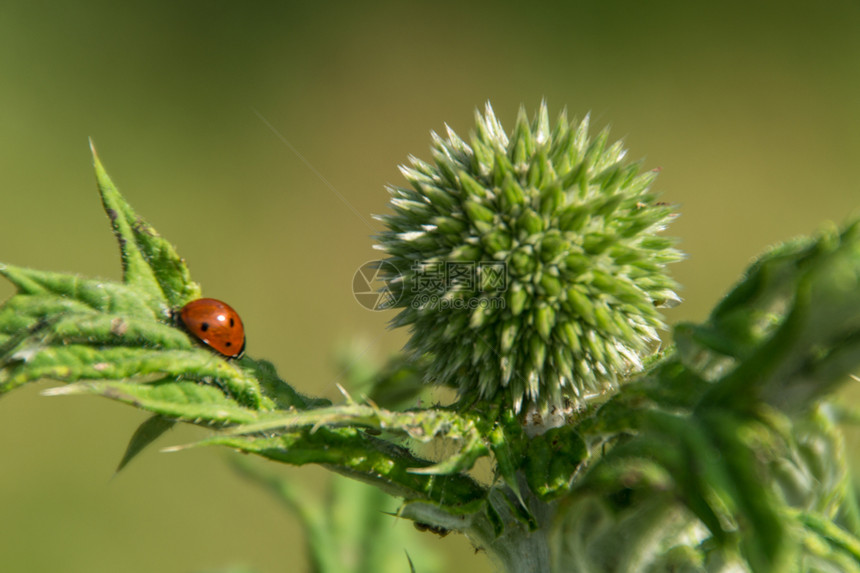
528, 264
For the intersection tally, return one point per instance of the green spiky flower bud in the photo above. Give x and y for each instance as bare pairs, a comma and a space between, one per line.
528, 264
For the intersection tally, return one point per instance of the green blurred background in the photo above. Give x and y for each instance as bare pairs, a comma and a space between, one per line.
752, 110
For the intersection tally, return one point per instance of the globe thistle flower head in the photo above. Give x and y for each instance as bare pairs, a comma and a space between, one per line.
528, 265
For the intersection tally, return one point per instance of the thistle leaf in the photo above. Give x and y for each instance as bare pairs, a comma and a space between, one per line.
146, 433
149, 262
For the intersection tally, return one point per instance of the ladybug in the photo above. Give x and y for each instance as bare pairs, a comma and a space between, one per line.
216, 325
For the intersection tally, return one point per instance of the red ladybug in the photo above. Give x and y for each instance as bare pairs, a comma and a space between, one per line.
216, 325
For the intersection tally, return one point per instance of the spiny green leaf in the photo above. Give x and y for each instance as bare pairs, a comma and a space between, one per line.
816, 342
353, 453
68, 328
186, 401
149, 262
43, 293
146, 433
423, 426
72, 362
283, 396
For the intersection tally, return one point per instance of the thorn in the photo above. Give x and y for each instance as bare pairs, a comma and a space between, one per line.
171, 449
345, 393
69, 390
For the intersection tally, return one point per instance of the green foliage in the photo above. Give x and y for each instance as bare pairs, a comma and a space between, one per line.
721, 454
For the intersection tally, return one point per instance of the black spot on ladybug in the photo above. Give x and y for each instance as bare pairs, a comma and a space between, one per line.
204, 327
232, 323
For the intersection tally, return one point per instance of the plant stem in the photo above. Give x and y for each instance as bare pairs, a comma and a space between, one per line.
519, 548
